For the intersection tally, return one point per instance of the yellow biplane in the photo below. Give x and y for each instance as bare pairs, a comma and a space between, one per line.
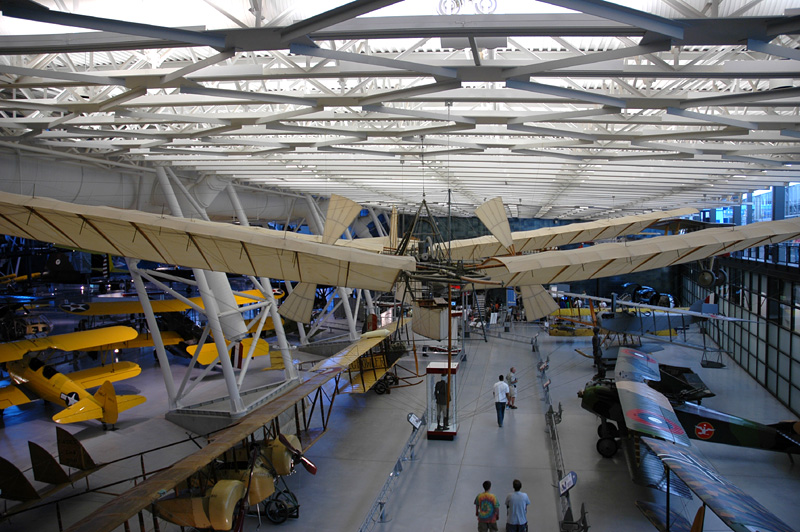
33, 379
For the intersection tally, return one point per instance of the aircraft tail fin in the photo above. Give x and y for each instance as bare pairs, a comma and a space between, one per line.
113, 404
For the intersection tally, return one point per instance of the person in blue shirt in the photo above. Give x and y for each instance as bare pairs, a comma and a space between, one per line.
517, 507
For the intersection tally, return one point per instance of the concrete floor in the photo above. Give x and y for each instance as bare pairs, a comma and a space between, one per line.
435, 491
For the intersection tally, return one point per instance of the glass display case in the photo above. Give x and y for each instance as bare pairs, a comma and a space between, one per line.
441, 384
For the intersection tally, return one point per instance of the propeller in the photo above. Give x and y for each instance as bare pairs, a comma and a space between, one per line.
297, 454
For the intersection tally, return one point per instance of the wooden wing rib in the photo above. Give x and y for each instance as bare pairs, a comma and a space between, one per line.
197, 243
548, 237
733, 506
605, 260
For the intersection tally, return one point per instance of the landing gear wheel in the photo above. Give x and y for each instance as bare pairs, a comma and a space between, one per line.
607, 430
381, 387
276, 511
607, 447
392, 379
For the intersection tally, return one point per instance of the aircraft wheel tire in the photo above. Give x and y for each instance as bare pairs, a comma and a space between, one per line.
276, 511
607, 447
381, 387
607, 430
392, 378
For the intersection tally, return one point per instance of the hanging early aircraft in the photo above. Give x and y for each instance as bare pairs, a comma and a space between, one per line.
33, 379
644, 422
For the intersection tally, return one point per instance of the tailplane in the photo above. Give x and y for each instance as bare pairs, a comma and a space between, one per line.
105, 405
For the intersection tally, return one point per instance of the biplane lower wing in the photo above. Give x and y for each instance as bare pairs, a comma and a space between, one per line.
361, 371
734, 507
93, 377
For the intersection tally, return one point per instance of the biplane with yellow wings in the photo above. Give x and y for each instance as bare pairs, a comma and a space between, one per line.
33, 379
654, 430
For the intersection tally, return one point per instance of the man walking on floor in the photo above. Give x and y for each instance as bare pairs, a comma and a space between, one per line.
487, 508
500, 393
517, 507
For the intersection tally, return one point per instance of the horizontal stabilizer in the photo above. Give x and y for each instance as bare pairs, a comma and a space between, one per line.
83, 410
733, 506
92, 377
13, 484
45, 467
657, 515
71, 452
126, 402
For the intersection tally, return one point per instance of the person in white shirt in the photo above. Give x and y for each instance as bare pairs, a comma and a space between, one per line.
511, 380
500, 393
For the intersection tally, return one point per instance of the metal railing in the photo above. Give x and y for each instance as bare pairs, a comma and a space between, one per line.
377, 512
566, 521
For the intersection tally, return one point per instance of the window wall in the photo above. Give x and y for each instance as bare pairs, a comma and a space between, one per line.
767, 342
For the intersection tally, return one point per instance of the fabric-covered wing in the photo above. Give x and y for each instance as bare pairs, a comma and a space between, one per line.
299, 304
346, 356
524, 241
197, 243
493, 215
733, 506
74, 341
649, 412
89, 378
604, 260
633, 365
537, 301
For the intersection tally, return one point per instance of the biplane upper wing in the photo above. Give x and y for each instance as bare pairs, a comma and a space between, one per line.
603, 260
733, 506
197, 243
646, 307
111, 308
74, 341
549, 237
645, 410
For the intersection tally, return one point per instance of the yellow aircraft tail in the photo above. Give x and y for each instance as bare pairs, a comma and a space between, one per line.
105, 405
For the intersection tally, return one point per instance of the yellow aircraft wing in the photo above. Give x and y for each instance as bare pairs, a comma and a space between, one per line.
208, 353
12, 396
349, 354
144, 339
74, 341
92, 377
111, 308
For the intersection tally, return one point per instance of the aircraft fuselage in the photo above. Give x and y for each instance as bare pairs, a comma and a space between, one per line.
46, 382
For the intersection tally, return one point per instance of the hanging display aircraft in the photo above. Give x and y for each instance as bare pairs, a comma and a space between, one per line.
647, 425
33, 379
268, 253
